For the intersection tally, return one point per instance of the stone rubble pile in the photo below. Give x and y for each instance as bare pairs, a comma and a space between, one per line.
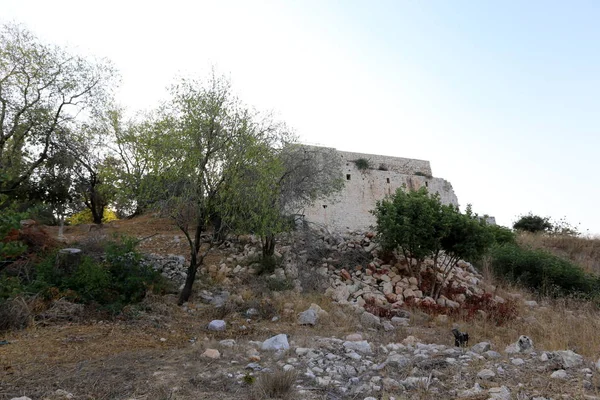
172, 266
346, 263
353, 367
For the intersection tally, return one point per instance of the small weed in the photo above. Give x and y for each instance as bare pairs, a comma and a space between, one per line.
249, 379
279, 285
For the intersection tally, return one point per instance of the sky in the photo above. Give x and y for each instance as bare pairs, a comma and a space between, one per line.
502, 97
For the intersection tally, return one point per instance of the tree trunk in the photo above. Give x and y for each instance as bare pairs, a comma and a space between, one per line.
195, 261
67, 261
268, 245
189, 280
61, 226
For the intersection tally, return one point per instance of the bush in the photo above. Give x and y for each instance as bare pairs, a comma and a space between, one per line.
533, 223
85, 217
362, 164
130, 276
10, 246
542, 271
502, 235
419, 226
118, 279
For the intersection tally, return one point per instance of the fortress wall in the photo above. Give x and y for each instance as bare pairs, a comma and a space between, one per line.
350, 208
400, 165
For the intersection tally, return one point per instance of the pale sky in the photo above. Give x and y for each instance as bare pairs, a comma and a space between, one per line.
503, 97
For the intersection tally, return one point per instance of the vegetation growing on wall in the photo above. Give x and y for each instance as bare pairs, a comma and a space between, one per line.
362, 164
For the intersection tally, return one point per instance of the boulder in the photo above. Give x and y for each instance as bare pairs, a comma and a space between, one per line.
569, 359
369, 320
481, 347
277, 342
308, 317
361, 346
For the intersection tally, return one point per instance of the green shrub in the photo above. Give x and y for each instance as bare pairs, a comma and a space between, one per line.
91, 281
502, 235
533, 223
131, 277
10, 248
118, 279
10, 286
266, 264
362, 164
541, 271
279, 285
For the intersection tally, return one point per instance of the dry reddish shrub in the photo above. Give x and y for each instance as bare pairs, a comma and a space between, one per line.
495, 312
377, 309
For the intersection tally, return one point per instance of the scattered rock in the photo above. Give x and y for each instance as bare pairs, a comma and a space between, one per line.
500, 393
560, 374
211, 353
308, 317
481, 347
278, 342
569, 359
486, 374
369, 320
217, 325
362, 346
531, 303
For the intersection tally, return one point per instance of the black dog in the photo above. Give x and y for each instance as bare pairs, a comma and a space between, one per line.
461, 339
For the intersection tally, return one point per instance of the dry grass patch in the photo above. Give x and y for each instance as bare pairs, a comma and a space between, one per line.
584, 251
276, 385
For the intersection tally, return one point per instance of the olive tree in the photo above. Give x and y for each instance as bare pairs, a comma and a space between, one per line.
42, 90
201, 141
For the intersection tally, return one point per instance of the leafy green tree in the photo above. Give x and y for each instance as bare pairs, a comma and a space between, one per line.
95, 167
465, 237
533, 223
411, 222
289, 177
202, 141
42, 90
419, 226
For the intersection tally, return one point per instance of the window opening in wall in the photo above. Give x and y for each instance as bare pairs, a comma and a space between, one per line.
387, 180
347, 177
426, 184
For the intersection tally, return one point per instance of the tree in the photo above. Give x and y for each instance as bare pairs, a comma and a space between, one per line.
533, 223
94, 166
202, 140
466, 237
411, 222
290, 177
42, 91
419, 226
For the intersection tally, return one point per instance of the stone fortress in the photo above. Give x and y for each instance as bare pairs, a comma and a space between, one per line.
369, 178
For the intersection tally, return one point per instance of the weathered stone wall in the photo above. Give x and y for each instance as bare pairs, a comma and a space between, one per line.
350, 208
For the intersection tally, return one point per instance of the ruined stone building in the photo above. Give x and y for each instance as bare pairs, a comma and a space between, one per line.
369, 178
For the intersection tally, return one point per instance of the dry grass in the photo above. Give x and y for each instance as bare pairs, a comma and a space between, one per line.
580, 250
276, 385
14, 314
